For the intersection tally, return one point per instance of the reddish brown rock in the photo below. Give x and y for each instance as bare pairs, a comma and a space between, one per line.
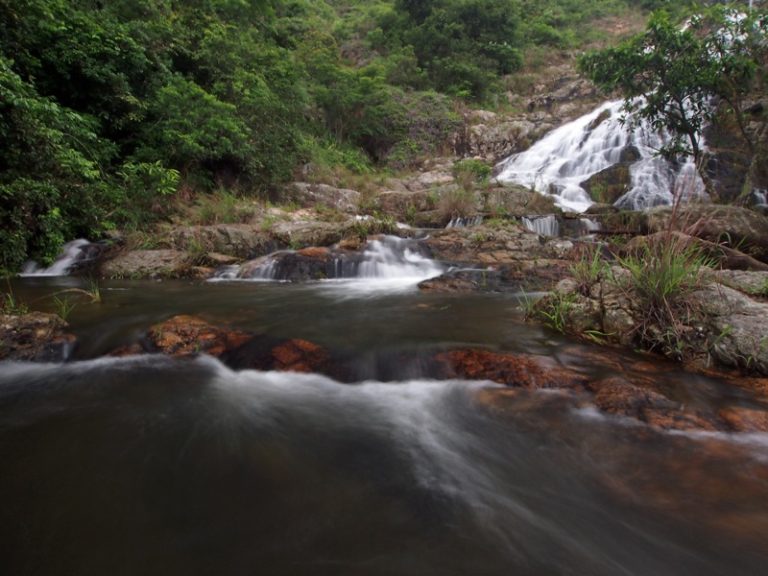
35, 336
742, 419
299, 356
320, 253
522, 370
184, 335
617, 395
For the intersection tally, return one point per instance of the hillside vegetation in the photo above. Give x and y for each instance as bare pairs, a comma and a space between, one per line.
112, 112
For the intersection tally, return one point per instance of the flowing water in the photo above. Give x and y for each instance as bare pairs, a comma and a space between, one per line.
564, 159
150, 465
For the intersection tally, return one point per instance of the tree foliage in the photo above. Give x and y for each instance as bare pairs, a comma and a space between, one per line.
670, 74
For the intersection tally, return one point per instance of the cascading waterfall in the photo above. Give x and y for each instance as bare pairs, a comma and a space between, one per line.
72, 253
563, 160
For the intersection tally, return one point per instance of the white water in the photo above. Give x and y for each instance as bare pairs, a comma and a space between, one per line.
71, 253
386, 263
566, 157
465, 221
542, 225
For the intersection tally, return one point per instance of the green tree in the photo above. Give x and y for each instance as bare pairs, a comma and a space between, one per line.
670, 74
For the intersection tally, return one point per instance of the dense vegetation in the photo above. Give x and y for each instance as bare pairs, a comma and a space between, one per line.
108, 110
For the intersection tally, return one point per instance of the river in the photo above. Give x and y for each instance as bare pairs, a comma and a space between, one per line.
151, 465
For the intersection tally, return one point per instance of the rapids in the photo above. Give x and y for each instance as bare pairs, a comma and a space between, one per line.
152, 465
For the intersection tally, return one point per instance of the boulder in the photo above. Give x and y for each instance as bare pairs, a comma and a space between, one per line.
35, 337
736, 325
148, 264
237, 240
610, 184
523, 370
185, 335
732, 226
311, 195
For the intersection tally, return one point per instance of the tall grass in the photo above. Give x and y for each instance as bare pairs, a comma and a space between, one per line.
662, 274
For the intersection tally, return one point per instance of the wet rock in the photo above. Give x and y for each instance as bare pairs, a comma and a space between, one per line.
300, 356
35, 337
522, 370
148, 264
312, 195
742, 419
187, 335
610, 184
618, 396
466, 281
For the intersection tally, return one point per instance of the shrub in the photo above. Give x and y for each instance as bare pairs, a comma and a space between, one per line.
662, 274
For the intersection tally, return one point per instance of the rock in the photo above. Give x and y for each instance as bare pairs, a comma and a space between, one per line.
610, 184
732, 226
432, 179
736, 325
300, 356
189, 335
147, 264
312, 195
752, 283
717, 254
522, 370
235, 240
618, 396
36, 336
741, 419
465, 281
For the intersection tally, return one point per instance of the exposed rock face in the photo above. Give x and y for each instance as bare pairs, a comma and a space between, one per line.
147, 264
240, 240
311, 195
736, 325
519, 256
734, 226
36, 337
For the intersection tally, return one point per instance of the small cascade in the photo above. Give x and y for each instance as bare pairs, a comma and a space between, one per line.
465, 221
393, 257
760, 197
542, 225
72, 253
589, 226
563, 160
386, 258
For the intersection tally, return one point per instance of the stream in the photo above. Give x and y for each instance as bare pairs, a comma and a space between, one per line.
152, 465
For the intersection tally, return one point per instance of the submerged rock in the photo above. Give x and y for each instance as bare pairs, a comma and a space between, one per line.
36, 336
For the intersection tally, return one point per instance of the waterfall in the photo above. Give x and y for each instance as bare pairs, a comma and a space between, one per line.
760, 197
72, 253
564, 159
383, 259
465, 221
542, 225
